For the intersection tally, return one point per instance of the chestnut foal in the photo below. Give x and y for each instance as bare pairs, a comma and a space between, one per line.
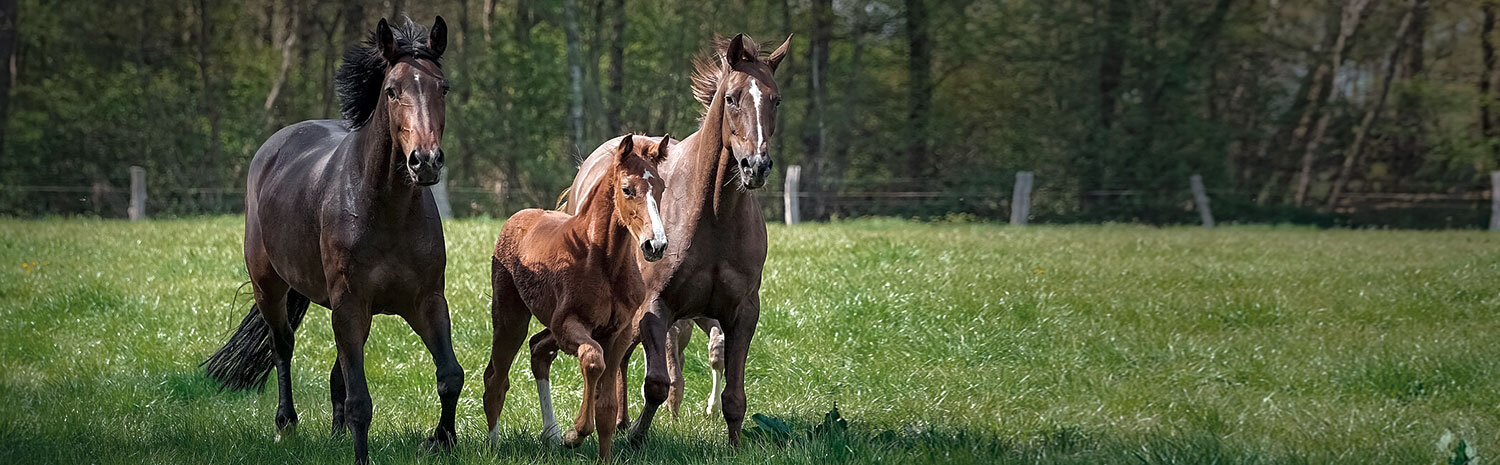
579, 276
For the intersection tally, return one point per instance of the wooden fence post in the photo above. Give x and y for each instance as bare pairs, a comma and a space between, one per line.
1200, 198
1020, 201
793, 176
440, 195
137, 209
1495, 200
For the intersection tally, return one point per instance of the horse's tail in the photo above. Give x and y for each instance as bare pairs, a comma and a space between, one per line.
562, 199
246, 360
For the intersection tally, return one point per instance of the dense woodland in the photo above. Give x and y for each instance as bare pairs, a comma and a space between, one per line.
1343, 111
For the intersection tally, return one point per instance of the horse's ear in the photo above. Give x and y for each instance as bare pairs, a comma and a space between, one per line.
780, 53
386, 41
736, 53
626, 146
660, 154
437, 39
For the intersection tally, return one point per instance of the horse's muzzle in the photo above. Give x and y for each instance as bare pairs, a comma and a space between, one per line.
754, 171
653, 249
425, 166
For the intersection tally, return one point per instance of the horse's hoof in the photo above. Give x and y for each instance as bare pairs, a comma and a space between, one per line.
440, 441
624, 424
635, 438
571, 439
288, 430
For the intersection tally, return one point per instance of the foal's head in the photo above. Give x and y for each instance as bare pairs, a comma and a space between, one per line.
637, 193
400, 67
751, 99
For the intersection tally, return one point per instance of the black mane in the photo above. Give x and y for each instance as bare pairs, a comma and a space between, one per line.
358, 80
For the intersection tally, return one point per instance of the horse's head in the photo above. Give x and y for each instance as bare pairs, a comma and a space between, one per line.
751, 99
638, 193
414, 89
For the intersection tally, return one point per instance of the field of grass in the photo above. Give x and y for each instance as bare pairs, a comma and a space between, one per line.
938, 343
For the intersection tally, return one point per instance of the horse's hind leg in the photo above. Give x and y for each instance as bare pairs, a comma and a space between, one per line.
678, 337
508, 317
573, 337
271, 298
431, 323
543, 352
715, 360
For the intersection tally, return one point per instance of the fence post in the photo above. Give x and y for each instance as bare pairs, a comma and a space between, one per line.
1495, 200
1200, 198
793, 176
440, 195
137, 209
1020, 201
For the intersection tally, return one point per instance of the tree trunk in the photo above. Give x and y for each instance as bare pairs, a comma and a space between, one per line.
617, 69
288, 53
523, 21
1352, 154
1487, 124
919, 89
1410, 141
815, 132
1112, 59
8, 36
575, 74
1352, 12
488, 16
205, 41
354, 23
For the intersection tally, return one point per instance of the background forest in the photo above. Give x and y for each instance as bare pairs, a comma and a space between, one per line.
1357, 112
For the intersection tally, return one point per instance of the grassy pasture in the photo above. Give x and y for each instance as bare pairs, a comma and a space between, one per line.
938, 343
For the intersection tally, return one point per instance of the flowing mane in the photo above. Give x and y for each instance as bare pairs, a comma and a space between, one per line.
358, 79
708, 68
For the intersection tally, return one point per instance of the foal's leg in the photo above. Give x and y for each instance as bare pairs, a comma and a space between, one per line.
573, 337
622, 385
607, 411
653, 335
678, 337
737, 335
543, 352
431, 323
509, 318
270, 297
715, 360
351, 327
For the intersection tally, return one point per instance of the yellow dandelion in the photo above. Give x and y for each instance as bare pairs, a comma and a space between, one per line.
1040, 271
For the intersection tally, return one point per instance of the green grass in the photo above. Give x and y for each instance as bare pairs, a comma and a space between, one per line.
939, 343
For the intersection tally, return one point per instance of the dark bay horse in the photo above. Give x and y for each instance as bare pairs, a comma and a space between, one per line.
337, 213
577, 274
713, 267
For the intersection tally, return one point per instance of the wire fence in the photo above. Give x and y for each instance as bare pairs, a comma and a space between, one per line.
1470, 208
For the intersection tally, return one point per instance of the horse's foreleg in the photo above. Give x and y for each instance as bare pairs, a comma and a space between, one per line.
653, 335
678, 337
575, 336
543, 352
737, 337
607, 410
270, 297
351, 327
431, 323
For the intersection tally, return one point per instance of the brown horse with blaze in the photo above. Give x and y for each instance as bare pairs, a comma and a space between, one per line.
578, 275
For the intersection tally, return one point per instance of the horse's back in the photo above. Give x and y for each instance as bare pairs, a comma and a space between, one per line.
286, 186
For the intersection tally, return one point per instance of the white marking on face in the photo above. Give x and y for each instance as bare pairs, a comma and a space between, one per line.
759, 132
647, 176
658, 232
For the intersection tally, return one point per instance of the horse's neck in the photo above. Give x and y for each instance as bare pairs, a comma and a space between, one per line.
609, 242
378, 173
708, 167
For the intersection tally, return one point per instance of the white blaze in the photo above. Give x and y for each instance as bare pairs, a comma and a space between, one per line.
658, 232
759, 132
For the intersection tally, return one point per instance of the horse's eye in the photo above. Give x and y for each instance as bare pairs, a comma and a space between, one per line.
629, 191
729, 99
446, 86
777, 101
390, 93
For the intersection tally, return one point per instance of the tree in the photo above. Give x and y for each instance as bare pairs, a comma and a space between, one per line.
919, 88
1352, 154
8, 27
1351, 13
575, 75
815, 129
1487, 102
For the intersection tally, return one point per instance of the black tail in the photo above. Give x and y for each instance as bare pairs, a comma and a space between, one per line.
246, 360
